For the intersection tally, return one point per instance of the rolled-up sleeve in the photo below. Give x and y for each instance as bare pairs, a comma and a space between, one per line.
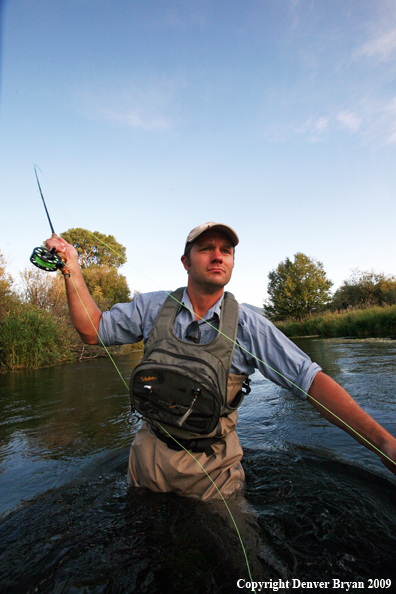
275, 356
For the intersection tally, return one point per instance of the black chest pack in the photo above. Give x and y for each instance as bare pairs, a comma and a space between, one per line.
182, 385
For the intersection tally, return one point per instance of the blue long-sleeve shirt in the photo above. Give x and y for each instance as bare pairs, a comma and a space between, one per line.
259, 344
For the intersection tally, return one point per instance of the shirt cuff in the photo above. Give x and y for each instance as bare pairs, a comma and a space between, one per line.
304, 381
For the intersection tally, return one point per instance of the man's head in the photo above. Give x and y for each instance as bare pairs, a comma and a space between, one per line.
198, 231
209, 255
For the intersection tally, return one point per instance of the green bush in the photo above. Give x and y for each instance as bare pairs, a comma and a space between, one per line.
30, 339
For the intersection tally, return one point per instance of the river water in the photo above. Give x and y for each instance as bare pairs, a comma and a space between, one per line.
317, 505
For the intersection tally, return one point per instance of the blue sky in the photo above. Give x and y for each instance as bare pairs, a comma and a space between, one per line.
149, 117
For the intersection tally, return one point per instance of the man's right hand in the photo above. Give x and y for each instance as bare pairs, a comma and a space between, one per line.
65, 250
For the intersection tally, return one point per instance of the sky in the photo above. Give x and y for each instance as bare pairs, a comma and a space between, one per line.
149, 117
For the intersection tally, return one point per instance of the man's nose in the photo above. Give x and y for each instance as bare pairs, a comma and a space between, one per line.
217, 255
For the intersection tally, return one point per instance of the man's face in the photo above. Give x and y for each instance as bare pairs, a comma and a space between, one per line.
211, 261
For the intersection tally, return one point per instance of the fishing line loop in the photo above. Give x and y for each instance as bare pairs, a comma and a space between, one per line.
236, 344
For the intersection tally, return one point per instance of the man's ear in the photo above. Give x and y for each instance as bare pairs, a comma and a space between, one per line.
185, 263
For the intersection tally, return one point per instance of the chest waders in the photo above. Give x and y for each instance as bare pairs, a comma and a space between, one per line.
182, 386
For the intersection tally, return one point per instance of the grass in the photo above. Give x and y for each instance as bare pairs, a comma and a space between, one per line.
31, 338
362, 323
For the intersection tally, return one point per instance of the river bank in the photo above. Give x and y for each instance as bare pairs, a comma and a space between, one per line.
373, 322
73, 354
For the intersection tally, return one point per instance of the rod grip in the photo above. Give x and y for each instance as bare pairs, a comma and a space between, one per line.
64, 269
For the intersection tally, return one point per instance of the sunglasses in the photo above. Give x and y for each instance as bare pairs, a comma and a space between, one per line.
193, 331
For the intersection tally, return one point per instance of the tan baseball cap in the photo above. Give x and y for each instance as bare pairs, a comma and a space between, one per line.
197, 231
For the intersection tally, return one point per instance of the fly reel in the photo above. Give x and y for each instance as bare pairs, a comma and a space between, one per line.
48, 260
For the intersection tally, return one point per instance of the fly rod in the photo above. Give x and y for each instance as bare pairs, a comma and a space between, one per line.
42, 257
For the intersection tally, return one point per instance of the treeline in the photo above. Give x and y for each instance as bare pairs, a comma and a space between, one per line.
300, 302
35, 326
300, 287
363, 290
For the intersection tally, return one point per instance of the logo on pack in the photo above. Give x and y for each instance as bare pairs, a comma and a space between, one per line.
148, 378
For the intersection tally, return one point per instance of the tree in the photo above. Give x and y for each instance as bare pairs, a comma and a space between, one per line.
44, 290
95, 248
365, 288
297, 288
106, 285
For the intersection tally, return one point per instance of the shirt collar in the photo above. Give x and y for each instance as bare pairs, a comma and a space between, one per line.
214, 310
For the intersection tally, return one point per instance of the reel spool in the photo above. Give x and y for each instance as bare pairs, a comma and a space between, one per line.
48, 260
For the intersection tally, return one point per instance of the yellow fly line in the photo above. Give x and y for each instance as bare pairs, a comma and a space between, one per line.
249, 353
239, 346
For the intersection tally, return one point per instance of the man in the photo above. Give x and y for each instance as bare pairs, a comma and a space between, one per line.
159, 462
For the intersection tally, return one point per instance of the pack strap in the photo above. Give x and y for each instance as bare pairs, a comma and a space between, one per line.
222, 346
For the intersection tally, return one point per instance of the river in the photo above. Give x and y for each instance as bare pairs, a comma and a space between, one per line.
317, 505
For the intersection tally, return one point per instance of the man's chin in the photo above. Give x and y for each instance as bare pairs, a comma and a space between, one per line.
215, 284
